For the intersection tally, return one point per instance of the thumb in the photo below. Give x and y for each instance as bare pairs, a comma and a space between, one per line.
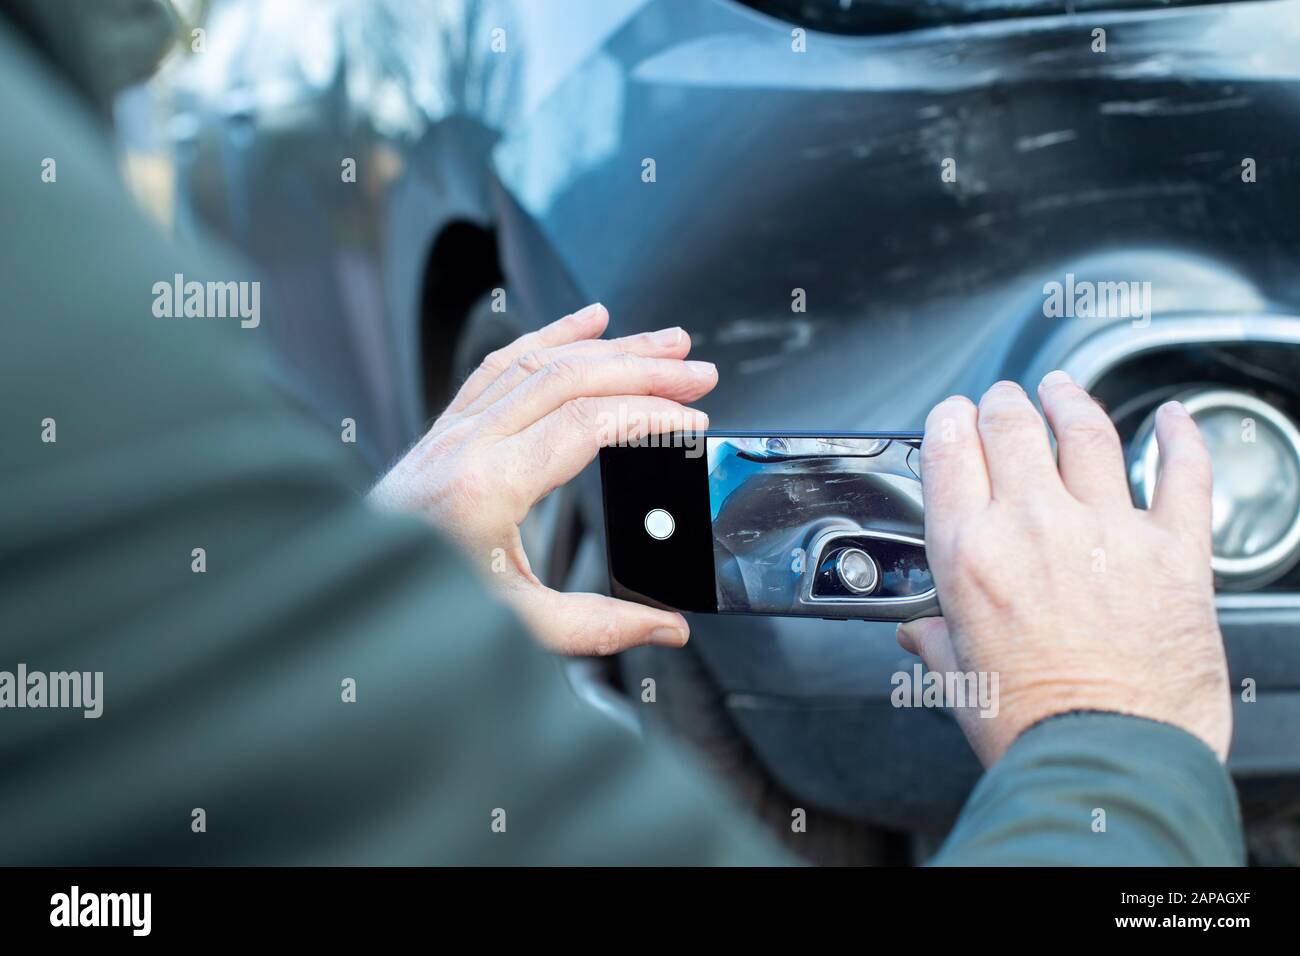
928, 637
591, 624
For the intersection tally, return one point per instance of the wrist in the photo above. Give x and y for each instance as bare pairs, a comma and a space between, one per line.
1210, 723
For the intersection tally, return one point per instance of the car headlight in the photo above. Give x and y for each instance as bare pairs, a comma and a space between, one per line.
1255, 451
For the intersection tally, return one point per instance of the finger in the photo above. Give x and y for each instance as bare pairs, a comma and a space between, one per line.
1183, 489
1016, 451
954, 479
665, 343
552, 451
587, 323
1089, 457
591, 624
573, 378
928, 638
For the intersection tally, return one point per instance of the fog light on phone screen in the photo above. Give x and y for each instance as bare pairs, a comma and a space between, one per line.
856, 570
1255, 450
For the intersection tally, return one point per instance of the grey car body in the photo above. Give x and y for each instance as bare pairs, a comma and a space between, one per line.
917, 180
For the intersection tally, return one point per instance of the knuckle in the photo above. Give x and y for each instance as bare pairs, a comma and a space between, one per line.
531, 362
645, 340
495, 362
1041, 517
580, 413
966, 550
1007, 416
938, 451
607, 638
631, 367
564, 370
1088, 427
978, 568
1190, 460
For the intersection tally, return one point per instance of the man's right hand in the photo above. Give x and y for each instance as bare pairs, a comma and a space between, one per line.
1051, 578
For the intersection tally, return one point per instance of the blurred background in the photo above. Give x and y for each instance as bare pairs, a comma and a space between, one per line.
856, 208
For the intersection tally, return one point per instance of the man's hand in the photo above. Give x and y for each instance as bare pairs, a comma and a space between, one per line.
531, 417
1050, 577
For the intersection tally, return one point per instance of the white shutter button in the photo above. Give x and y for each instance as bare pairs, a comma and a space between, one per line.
659, 524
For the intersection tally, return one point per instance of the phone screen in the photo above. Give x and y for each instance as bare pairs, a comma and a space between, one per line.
787, 524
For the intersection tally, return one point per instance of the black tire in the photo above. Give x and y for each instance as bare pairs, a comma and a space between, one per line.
484, 332
689, 706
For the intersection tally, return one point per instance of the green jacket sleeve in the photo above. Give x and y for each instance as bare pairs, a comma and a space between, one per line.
132, 440
1101, 789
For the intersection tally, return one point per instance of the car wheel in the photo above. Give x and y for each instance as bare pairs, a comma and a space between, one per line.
690, 707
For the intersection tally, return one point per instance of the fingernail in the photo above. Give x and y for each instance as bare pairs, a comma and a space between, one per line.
1056, 377
588, 312
903, 635
668, 337
1007, 383
1176, 408
667, 637
706, 370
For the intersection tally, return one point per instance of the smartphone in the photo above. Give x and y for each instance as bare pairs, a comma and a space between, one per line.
789, 523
